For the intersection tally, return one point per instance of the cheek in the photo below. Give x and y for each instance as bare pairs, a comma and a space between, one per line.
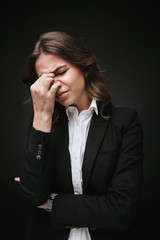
78, 83
74, 80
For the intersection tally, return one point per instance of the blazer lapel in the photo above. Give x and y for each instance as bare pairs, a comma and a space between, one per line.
62, 153
97, 130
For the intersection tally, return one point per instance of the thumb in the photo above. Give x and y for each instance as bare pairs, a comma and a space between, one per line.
54, 88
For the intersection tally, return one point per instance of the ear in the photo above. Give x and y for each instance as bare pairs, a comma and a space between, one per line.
86, 72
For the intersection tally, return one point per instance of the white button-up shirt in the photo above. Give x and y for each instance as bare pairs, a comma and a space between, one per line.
78, 126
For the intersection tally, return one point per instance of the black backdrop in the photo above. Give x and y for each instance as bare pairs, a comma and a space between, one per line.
124, 37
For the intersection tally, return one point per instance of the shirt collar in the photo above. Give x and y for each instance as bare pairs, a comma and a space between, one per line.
93, 106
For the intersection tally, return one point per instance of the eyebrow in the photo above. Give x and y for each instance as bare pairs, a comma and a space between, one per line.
58, 68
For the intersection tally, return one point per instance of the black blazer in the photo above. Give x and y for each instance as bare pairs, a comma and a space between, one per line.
112, 177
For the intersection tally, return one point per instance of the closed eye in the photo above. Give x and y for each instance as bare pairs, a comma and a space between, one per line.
61, 73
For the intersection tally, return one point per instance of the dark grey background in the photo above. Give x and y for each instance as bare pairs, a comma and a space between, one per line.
125, 39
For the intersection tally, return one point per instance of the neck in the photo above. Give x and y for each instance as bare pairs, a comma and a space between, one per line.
83, 105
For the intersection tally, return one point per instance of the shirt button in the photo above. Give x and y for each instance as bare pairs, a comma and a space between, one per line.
40, 146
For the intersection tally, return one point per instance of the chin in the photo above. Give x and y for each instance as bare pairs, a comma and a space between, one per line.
65, 103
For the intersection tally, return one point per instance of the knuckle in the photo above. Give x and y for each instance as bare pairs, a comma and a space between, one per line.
41, 93
45, 75
48, 96
32, 88
49, 79
38, 91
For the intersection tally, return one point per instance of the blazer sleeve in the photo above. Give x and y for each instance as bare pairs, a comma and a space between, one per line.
36, 171
116, 210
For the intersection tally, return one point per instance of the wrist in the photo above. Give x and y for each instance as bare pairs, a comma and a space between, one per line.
49, 204
42, 122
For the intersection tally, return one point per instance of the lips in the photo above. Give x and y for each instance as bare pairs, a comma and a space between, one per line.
60, 93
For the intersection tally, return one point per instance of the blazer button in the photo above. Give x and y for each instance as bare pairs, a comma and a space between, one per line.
39, 152
40, 146
38, 157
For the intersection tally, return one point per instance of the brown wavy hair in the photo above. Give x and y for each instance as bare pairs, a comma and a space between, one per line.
71, 49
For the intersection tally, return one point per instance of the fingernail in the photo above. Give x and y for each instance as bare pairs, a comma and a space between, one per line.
58, 83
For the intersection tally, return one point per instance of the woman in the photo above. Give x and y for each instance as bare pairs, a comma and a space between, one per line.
83, 161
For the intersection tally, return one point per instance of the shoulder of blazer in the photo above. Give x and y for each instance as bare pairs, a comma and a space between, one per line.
121, 111
124, 116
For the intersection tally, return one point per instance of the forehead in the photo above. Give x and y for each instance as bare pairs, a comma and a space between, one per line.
48, 63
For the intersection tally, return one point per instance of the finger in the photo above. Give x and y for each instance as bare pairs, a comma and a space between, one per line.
49, 74
41, 87
58, 83
42, 79
46, 81
54, 88
49, 79
17, 179
45, 75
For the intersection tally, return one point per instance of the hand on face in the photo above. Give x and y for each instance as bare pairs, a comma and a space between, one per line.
43, 93
56, 74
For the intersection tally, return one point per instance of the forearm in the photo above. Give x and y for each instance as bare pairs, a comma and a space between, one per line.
99, 212
36, 172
